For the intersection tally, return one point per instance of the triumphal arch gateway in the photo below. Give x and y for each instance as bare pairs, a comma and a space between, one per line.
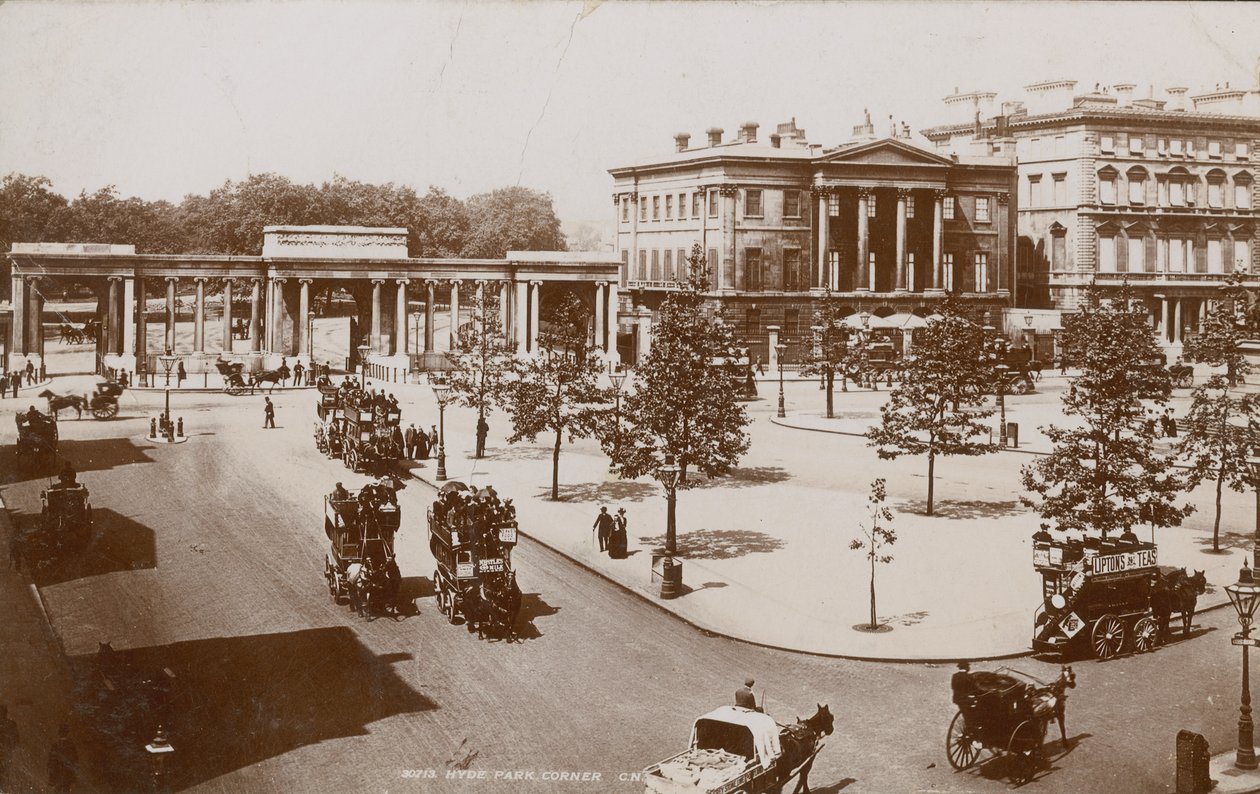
298, 264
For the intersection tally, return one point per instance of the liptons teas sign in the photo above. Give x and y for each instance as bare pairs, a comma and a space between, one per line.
1104, 565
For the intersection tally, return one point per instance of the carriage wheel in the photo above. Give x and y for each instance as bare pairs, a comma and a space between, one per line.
960, 748
1107, 637
105, 411
352, 460
1145, 634
1025, 750
1023, 387
1184, 380
437, 592
331, 579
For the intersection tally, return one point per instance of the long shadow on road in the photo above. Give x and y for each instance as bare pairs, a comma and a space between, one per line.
227, 703
98, 454
118, 544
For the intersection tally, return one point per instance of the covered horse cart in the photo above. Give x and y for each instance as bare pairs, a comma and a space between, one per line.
36, 437
233, 376
737, 750
471, 537
65, 525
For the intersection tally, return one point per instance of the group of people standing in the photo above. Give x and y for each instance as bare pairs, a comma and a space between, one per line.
611, 532
419, 444
12, 381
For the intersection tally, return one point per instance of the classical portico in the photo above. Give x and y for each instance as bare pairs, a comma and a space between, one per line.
297, 264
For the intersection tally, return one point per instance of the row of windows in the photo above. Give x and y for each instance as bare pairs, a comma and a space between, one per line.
754, 206
1051, 195
1175, 191
1171, 255
1139, 145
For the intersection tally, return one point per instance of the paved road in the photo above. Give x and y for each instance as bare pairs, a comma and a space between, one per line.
209, 563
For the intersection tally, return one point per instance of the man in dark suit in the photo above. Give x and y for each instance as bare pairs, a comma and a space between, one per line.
961, 684
410, 438
744, 697
603, 528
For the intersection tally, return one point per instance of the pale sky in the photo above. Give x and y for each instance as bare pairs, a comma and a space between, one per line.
164, 99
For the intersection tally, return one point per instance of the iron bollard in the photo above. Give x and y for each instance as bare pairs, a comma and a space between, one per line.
152, 428
179, 428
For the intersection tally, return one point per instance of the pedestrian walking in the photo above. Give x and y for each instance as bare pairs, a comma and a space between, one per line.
603, 528
180, 374
63, 762
30, 373
297, 373
327, 370
269, 414
617, 541
410, 438
9, 740
761, 368
483, 430
422, 445
1170, 424
433, 437
283, 370
16, 382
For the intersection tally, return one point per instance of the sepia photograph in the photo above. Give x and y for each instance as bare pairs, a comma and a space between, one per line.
728, 397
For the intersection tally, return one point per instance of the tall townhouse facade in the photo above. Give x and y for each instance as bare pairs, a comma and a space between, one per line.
880, 224
1157, 191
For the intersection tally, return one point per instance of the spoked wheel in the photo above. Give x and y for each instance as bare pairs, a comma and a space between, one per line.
1184, 381
1145, 634
439, 593
105, 410
235, 389
1107, 637
1025, 750
961, 749
352, 460
1023, 387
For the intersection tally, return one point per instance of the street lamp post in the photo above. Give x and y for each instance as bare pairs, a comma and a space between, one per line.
416, 336
780, 349
363, 362
671, 573
618, 377
442, 392
1244, 595
1030, 336
310, 337
168, 360
1000, 371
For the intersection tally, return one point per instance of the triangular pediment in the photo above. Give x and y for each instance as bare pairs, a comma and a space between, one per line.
889, 151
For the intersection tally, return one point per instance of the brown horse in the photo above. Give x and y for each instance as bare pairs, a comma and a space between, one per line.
1052, 701
799, 743
272, 376
1176, 591
60, 402
498, 604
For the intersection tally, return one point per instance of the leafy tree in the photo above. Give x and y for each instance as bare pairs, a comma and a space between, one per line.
29, 213
934, 410
231, 218
1214, 445
103, 217
1105, 474
511, 219
439, 224
876, 537
1224, 327
482, 360
557, 389
587, 237
683, 404
832, 354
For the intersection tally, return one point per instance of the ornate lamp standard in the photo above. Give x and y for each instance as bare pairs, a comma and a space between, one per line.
671, 579
617, 375
442, 393
1245, 595
416, 316
310, 337
158, 749
1029, 335
864, 337
363, 354
168, 360
780, 349
1000, 371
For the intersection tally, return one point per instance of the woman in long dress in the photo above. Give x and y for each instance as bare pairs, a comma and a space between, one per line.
617, 540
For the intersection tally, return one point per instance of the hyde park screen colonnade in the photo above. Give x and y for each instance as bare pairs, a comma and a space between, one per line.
297, 264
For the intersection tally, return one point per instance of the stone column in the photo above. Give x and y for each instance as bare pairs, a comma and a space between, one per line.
1165, 309
170, 312
112, 337
375, 340
505, 309
199, 318
534, 287
227, 315
938, 237
772, 356
632, 261
727, 280
1177, 321
255, 316
599, 316
35, 334
304, 347
429, 287
903, 280
614, 307
269, 316
400, 318
128, 326
142, 329
822, 279
520, 332
19, 315
453, 342
863, 248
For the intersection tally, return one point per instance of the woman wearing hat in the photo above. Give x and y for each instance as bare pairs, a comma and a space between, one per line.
617, 541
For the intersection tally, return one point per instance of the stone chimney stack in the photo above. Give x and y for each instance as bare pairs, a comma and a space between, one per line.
774, 140
748, 132
715, 135
1177, 98
680, 141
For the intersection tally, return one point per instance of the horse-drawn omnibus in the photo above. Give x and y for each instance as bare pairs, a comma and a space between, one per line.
360, 566
471, 538
1106, 596
735, 749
